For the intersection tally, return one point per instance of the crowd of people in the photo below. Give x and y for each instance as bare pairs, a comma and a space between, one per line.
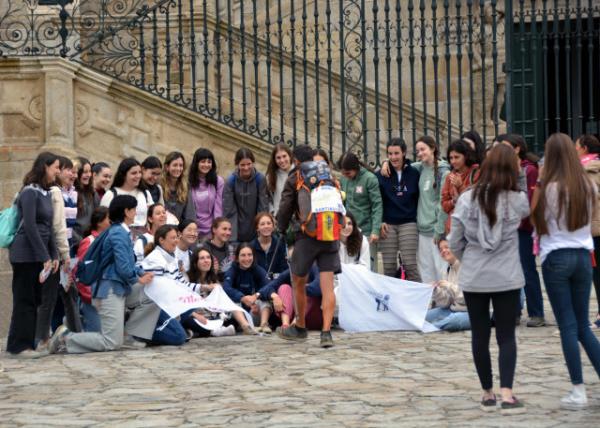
462, 224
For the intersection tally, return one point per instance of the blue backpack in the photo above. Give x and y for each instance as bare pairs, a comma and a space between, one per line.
10, 221
89, 270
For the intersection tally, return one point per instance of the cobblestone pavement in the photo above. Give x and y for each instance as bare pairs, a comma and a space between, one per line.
379, 379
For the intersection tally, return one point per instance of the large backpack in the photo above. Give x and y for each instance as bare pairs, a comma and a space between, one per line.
320, 206
90, 269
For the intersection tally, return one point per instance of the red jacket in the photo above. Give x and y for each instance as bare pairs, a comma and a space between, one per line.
85, 291
450, 193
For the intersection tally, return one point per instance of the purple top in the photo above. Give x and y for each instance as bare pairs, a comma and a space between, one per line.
209, 204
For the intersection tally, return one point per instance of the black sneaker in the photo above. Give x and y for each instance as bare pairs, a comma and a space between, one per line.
326, 339
515, 407
292, 332
488, 404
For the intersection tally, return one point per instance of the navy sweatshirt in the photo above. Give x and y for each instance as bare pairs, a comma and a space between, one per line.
400, 199
243, 282
278, 258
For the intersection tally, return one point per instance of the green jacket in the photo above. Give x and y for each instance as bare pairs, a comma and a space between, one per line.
430, 216
363, 200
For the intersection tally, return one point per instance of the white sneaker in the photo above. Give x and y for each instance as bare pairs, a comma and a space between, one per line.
223, 331
576, 399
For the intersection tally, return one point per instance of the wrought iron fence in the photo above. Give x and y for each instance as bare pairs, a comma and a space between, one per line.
339, 74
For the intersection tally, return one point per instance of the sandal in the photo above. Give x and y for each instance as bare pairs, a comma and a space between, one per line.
488, 404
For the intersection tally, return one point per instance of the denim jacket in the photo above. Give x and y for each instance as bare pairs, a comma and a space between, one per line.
121, 273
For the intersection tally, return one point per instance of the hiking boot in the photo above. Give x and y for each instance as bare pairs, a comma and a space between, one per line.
326, 339
575, 400
536, 322
488, 404
293, 332
57, 344
514, 407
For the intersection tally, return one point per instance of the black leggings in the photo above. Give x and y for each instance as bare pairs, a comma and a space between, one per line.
506, 306
596, 272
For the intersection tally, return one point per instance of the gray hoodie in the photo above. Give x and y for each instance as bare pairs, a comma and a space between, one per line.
489, 256
242, 200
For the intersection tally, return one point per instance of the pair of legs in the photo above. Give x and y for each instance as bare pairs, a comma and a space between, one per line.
448, 320
506, 307
533, 288
429, 261
27, 297
313, 319
327, 300
111, 310
403, 239
51, 290
568, 276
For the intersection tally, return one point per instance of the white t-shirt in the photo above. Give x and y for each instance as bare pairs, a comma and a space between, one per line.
183, 259
558, 236
141, 211
364, 258
138, 247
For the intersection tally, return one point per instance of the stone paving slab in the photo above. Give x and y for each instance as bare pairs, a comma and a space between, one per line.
366, 380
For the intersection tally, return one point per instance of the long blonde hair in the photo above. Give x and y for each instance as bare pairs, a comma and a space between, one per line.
575, 190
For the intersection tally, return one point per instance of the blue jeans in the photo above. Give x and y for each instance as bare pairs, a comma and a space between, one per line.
533, 288
568, 279
90, 317
447, 320
169, 333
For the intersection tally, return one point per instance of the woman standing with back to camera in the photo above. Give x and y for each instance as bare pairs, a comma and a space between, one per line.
562, 216
484, 237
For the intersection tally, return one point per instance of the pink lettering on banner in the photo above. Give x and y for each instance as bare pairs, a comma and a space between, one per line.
189, 299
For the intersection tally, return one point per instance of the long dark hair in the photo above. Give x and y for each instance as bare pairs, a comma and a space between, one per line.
124, 167
433, 145
37, 174
354, 241
181, 188
150, 214
194, 273
499, 172
272, 167
563, 168
194, 177
87, 191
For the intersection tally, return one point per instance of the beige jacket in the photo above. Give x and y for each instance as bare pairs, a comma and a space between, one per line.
59, 223
593, 171
448, 294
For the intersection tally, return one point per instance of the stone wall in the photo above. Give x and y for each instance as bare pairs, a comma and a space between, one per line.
57, 105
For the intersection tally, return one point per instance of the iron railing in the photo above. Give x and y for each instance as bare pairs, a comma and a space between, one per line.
339, 74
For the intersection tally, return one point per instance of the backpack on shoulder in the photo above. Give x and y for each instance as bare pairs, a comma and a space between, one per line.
9, 224
89, 270
320, 206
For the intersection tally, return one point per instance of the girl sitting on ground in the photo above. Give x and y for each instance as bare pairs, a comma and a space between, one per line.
202, 271
242, 282
449, 310
270, 250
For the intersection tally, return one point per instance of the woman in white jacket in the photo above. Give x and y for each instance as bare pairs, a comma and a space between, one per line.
354, 247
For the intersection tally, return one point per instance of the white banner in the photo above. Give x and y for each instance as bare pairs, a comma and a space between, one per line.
372, 302
175, 298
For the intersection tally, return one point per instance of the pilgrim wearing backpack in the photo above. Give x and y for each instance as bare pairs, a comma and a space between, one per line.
117, 283
312, 197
